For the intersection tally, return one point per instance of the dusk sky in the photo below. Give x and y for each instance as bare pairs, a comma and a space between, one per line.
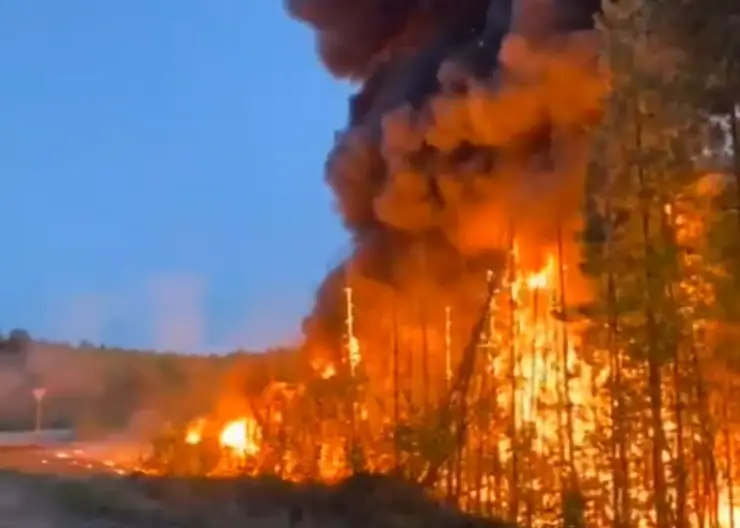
162, 172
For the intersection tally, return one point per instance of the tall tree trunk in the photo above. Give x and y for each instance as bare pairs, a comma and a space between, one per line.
655, 390
396, 385
729, 461
708, 498
735, 147
681, 473
624, 460
453, 407
425, 359
513, 360
620, 462
563, 308
698, 477
424, 336
658, 443
669, 238
498, 477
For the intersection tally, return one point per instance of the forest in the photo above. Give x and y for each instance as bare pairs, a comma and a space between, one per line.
99, 390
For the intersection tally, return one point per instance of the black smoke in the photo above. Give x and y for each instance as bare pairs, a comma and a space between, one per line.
465, 129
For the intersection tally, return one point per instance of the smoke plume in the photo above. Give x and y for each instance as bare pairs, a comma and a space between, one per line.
466, 132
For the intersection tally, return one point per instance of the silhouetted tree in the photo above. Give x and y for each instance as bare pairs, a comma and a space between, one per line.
18, 341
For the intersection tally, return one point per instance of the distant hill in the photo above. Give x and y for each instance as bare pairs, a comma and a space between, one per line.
100, 388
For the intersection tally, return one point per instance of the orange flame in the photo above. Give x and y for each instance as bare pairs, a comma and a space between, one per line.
241, 436
194, 433
329, 371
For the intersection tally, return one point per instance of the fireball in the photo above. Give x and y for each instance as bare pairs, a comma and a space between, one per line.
241, 436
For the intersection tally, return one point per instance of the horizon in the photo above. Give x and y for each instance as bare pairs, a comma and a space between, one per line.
134, 136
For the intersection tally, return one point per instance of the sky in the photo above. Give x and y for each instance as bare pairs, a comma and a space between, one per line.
162, 172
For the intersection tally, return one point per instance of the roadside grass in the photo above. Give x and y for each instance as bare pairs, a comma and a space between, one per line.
361, 501
87, 497
106, 497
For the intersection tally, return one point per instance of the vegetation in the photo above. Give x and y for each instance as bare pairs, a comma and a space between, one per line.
103, 389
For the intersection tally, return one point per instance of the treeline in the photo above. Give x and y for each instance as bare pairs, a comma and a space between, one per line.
663, 255
104, 389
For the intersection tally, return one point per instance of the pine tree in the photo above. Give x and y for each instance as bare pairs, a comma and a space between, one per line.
645, 159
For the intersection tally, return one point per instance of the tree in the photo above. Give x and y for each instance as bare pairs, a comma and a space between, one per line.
17, 343
643, 164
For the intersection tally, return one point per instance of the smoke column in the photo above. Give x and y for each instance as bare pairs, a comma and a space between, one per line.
468, 126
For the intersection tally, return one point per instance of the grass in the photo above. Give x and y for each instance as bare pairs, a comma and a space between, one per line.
366, 501
104, 497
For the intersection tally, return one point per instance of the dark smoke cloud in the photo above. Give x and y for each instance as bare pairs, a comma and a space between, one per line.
468, 120
355, 38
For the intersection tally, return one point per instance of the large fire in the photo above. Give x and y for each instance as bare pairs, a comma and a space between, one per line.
240, 438
534, 393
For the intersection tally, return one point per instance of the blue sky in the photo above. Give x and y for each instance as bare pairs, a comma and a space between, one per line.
161, 168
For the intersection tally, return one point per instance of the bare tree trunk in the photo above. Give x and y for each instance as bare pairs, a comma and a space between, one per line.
654, 375
620, 470
735, 146
728, 455
459, 457
566, 356
709, 470
497, 480
396, 387
624, 455
479, 473
513, 360
698, 473
681, 473
425, 358
658, 443
424, 337
668, 228
453, 408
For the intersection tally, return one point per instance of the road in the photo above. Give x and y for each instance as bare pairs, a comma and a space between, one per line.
57, 452
38, 473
